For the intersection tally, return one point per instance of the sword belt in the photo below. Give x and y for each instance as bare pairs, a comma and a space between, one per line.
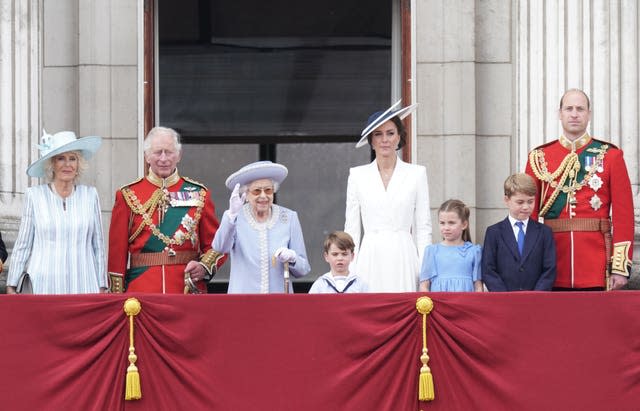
162, 258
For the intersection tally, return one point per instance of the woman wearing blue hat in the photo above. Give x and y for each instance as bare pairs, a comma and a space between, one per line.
60, 242
262, 238
387, 211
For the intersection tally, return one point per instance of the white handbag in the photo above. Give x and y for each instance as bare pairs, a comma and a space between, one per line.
24, 284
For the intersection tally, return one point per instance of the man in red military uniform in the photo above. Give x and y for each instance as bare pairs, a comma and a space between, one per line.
163, 226
584, 195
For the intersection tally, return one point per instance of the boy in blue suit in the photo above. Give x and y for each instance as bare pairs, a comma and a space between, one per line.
519, 253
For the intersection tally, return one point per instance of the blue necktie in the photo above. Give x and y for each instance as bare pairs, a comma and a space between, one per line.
520, 224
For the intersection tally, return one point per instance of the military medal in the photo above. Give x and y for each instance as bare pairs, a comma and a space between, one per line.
184, 199
595, 182
589, 162
595, 202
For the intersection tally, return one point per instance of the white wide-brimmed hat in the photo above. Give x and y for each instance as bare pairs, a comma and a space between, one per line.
380, 117
62, 142
257, 171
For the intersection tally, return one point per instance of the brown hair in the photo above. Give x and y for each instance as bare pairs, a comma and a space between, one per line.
402, 131
341, 239
462, 211
520, 183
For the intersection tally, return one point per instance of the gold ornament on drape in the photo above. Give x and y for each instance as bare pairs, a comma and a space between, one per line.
132, 308
424, 305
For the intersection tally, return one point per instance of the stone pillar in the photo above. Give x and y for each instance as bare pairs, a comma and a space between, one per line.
109, 90
446, 93
19, 106
495, 148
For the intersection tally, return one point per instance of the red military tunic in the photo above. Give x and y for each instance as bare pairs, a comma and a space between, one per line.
584, 194
149, 255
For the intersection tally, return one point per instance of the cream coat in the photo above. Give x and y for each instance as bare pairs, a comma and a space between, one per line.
391, 227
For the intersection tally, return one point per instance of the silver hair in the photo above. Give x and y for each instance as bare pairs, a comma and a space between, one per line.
159, 130
245, 187
83, 165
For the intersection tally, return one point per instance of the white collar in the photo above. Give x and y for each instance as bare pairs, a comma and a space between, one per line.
513, 222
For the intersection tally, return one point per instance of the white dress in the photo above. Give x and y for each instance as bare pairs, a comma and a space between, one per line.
391, 227
60, 243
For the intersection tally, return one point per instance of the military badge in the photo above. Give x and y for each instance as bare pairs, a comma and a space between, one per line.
184, 199
595, 182
595, 202
188, 222
589, 162
179, 235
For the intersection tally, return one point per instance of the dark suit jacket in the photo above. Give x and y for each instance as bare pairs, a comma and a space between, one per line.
503, 269
3, 250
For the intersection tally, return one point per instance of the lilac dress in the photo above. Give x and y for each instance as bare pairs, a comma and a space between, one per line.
451, 268
251, 245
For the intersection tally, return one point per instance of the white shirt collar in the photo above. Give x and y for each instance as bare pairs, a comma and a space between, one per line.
513, 222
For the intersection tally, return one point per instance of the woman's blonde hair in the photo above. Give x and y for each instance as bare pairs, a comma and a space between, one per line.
82, 166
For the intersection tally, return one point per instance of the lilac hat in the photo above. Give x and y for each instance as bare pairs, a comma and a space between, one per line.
380, 117
62, 142
257, 171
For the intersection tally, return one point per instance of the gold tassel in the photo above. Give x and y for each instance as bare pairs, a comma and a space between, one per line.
424, 305
132, 308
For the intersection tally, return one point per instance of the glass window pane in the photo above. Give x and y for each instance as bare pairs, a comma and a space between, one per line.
257, 70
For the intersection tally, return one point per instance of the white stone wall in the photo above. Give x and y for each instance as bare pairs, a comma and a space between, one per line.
68, 65
20, 55
89, 72
464, 87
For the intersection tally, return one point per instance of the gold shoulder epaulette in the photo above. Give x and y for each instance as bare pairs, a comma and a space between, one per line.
192, 181
131, 183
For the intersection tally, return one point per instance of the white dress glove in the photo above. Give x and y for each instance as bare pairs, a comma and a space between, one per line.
235, 202
285, 255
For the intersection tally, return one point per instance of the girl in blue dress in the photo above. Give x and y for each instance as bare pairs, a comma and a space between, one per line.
453, 264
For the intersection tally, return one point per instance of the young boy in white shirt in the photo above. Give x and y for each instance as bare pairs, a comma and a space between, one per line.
338, 252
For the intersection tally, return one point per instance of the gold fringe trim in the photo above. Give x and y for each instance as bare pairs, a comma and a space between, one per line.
424, 305
132, 308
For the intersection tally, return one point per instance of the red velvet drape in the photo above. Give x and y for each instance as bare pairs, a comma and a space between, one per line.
506, 351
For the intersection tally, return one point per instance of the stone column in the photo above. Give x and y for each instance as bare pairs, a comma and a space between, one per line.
19, 105
446, 93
